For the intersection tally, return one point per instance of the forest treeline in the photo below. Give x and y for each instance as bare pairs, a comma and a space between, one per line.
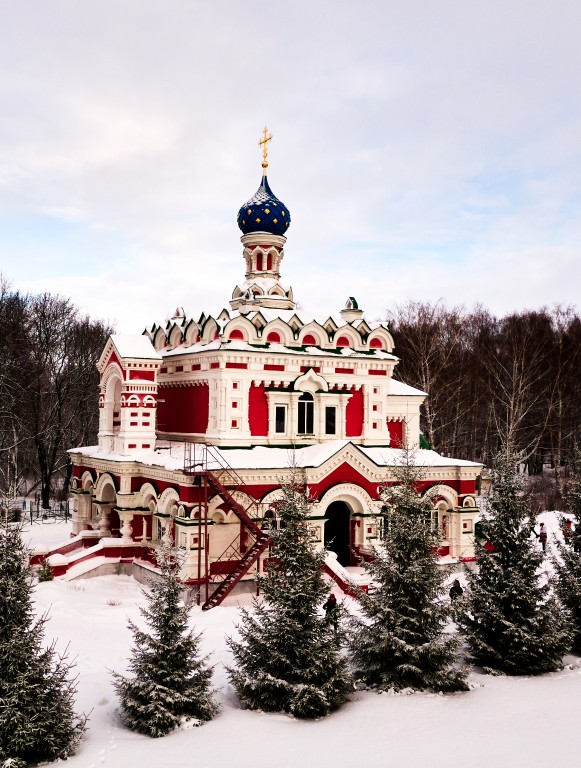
48, 389
492, 382
514, 380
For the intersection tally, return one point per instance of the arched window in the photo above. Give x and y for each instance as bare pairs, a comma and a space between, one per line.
309, 339
343, 341
273, 337
306, 423
376, 343
236, 334
113, 405
259, 262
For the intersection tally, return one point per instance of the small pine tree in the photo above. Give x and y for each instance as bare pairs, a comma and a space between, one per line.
512, 621
170, 686
400, 640
45, 572
568, 562
37, 718
288, 658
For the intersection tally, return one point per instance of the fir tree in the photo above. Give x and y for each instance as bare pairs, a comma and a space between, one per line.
170, 686
37, 718
568, 562
288, 658
45, 572
400, 640
512, 621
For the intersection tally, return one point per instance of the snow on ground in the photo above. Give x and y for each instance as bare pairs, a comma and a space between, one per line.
502, 721
48, 533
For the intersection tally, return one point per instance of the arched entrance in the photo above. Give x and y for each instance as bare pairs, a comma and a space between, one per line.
337, 531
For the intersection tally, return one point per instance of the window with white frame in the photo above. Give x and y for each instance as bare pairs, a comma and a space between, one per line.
280, 419
330, 420
306, 414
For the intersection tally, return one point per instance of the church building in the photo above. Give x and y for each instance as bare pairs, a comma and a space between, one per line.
202, 417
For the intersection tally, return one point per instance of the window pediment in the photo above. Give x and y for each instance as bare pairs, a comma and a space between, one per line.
310, 382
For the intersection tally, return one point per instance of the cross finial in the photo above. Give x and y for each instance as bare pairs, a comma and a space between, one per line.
266, 137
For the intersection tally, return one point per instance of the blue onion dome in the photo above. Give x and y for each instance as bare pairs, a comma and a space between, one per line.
264, 212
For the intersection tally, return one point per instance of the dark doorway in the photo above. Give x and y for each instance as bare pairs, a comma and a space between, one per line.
337, 537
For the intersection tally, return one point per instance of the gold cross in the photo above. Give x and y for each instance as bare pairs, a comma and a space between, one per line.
266, 137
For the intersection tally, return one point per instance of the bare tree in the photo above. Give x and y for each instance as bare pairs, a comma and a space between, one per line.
60, 408
519, 381
492, 383
13, 455
435, 356
564, 388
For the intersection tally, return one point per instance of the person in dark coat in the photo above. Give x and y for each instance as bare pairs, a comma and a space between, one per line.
331, 608
542, 536
456, 590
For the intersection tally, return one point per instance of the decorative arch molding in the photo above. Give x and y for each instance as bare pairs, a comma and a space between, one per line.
112, 371
148, 492
175, 336
245, 500
86, 481
442, 492
218, 516
310, 382
159, 339
192, 333
209, 330
241, 324
216, 505
355, 497
317, 331
167, 501
384, 337
350, 334
271, 497
278, 326
105, 481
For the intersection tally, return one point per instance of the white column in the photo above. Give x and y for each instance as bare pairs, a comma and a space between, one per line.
126, 529
104, 529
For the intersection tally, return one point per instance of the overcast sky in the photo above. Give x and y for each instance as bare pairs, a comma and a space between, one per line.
425, 149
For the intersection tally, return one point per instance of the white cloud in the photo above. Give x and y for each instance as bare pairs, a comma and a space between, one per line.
425, 150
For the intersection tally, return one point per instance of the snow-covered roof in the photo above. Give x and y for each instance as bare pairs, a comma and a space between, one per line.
273, 313
136, 346
391, 457
170, 455
266, 283
304, 316
399, 388
237, 345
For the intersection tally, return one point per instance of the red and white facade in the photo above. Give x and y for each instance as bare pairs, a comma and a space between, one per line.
202, 417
